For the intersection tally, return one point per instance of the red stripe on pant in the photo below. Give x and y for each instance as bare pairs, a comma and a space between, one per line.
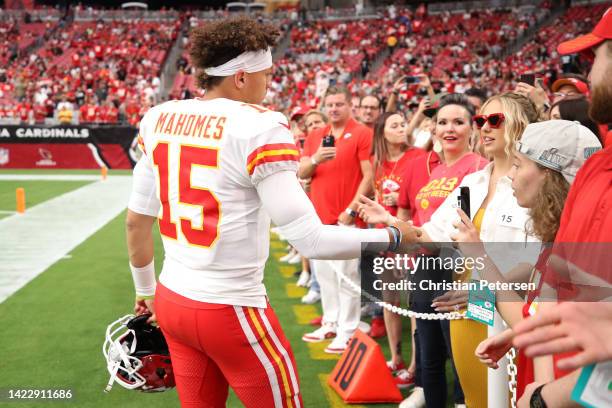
213, 346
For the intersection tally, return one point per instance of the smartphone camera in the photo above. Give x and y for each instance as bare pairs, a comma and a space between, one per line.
463, 200
329, 141
412, 79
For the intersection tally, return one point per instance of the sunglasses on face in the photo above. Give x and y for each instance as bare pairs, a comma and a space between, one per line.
495, 120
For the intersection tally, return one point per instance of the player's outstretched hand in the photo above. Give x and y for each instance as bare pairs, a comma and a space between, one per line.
372, 212
143, 306
585, 327
491, 350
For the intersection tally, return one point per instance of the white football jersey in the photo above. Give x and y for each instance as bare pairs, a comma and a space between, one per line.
208, 157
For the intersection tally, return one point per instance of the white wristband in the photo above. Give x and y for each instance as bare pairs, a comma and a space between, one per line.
313, 161
144, 279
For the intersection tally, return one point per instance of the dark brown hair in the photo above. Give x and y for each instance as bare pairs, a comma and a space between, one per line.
546, 211
216, 43
379, 143
576, 108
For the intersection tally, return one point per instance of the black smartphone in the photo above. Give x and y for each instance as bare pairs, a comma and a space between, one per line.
527, 79
412, 79
329, 141
463, 201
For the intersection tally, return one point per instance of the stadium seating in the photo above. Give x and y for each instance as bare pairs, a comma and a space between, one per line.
90, 62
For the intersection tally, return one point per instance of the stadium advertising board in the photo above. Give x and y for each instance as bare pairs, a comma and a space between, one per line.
68, 147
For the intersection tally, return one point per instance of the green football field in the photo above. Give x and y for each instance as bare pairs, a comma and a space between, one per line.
53, 328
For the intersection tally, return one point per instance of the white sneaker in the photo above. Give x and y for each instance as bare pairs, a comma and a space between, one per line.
303, 279
460, 406
326, 331
296, 259
337, 346
415, 400
311, 297
364, 326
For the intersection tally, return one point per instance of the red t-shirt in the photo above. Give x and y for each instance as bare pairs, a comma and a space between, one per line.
23, 110
587, 217
443, 180
40, 113
111, 115
390, 176
88, 113
415, 178
335, 182
587, 214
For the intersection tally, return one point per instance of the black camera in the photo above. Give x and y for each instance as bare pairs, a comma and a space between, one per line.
329, 141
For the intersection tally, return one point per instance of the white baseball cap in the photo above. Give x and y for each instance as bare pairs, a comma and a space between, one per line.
560, 145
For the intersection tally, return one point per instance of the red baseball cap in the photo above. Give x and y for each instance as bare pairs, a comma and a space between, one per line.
581, 86
601, 32
299, 111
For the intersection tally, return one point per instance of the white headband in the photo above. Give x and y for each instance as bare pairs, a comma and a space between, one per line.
252, 61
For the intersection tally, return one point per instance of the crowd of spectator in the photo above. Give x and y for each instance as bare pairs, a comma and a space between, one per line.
109, 71
89, 72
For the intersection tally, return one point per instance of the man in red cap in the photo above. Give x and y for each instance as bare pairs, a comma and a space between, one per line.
587, 215
570, 84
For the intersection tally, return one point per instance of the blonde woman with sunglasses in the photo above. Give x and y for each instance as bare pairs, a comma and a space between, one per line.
498, 218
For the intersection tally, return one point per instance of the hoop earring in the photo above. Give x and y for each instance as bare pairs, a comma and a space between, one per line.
437, 147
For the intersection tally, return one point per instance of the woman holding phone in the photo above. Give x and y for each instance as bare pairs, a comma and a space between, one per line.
498, 218
541, 188
453, 130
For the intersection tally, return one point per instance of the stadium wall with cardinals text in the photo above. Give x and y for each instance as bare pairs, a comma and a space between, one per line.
68, 147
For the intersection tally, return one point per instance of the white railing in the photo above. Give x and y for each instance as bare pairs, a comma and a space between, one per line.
90, 14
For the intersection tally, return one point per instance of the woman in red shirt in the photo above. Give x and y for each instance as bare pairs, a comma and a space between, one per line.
453, 133
392, 157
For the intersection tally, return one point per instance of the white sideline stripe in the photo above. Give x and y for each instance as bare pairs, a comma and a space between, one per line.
34, 241
7, 212
53, 177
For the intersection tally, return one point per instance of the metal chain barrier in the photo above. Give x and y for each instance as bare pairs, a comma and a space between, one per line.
511, 355
399, 310
512, 371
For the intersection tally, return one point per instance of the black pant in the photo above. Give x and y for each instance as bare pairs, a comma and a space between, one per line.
433, 344
433, 347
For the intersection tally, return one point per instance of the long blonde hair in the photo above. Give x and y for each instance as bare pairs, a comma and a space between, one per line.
518, 112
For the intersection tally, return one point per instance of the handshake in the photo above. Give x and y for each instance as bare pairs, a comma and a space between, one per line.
373, 213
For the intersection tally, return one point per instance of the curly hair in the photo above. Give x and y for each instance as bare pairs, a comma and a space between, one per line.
546, 212
216, 43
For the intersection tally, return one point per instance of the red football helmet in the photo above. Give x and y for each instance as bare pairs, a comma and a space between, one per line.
137, 358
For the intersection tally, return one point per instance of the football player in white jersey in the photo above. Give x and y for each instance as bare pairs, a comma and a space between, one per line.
214, 171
